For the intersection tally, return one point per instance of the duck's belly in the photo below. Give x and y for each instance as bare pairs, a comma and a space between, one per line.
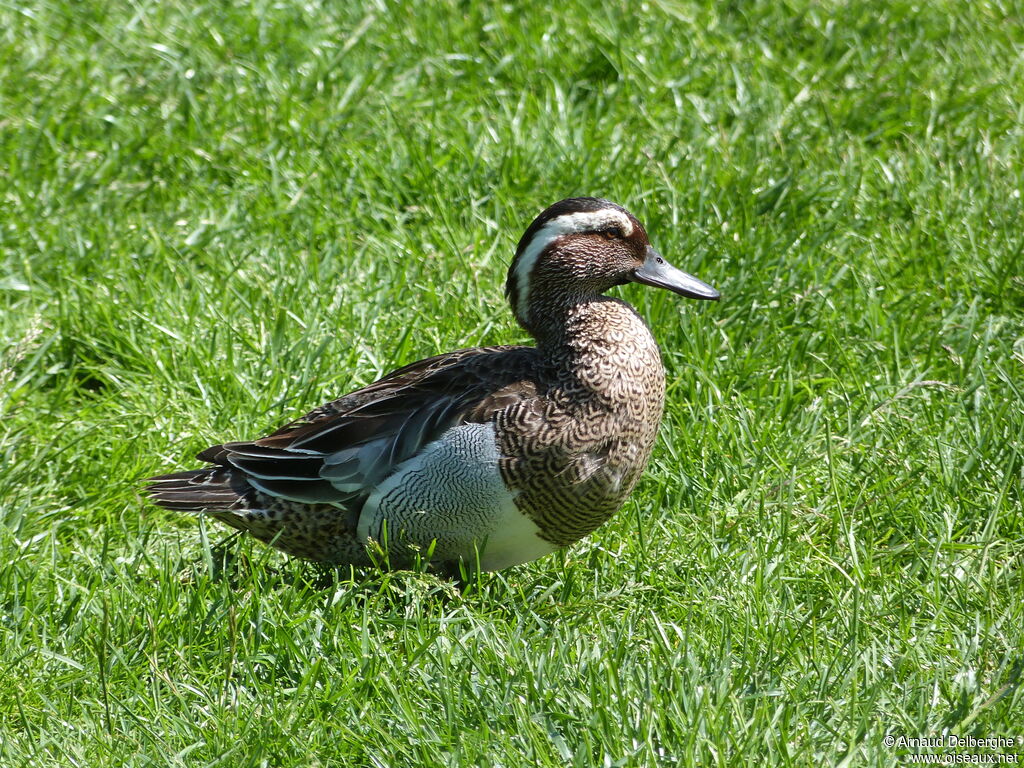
451, 496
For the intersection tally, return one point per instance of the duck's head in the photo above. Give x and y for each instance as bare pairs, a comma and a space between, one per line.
579, 248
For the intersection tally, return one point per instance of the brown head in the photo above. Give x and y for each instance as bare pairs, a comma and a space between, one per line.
579, 248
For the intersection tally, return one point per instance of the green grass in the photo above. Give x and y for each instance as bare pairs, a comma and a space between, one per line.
217, 215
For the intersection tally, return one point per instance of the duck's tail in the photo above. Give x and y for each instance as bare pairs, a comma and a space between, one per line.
199, 490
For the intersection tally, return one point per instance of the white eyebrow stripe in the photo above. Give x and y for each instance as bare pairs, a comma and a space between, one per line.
566, 224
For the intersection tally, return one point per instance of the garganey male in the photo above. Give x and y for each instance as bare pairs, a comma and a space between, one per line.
491, 456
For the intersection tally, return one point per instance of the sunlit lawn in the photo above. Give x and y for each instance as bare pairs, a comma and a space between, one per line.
214, 216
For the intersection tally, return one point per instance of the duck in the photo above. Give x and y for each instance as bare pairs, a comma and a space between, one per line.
481, 458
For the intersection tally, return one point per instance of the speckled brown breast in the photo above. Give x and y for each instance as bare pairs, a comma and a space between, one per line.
574, 453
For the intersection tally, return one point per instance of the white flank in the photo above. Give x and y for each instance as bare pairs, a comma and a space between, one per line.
451, 496
566, 224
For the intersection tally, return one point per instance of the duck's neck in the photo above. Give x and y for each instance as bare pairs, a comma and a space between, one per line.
604, 345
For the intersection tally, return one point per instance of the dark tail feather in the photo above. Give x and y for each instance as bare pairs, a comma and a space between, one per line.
197, 490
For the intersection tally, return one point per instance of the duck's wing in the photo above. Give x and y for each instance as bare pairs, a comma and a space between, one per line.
338, 452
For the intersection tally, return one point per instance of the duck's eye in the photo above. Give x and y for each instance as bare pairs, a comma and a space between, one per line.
612, 233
